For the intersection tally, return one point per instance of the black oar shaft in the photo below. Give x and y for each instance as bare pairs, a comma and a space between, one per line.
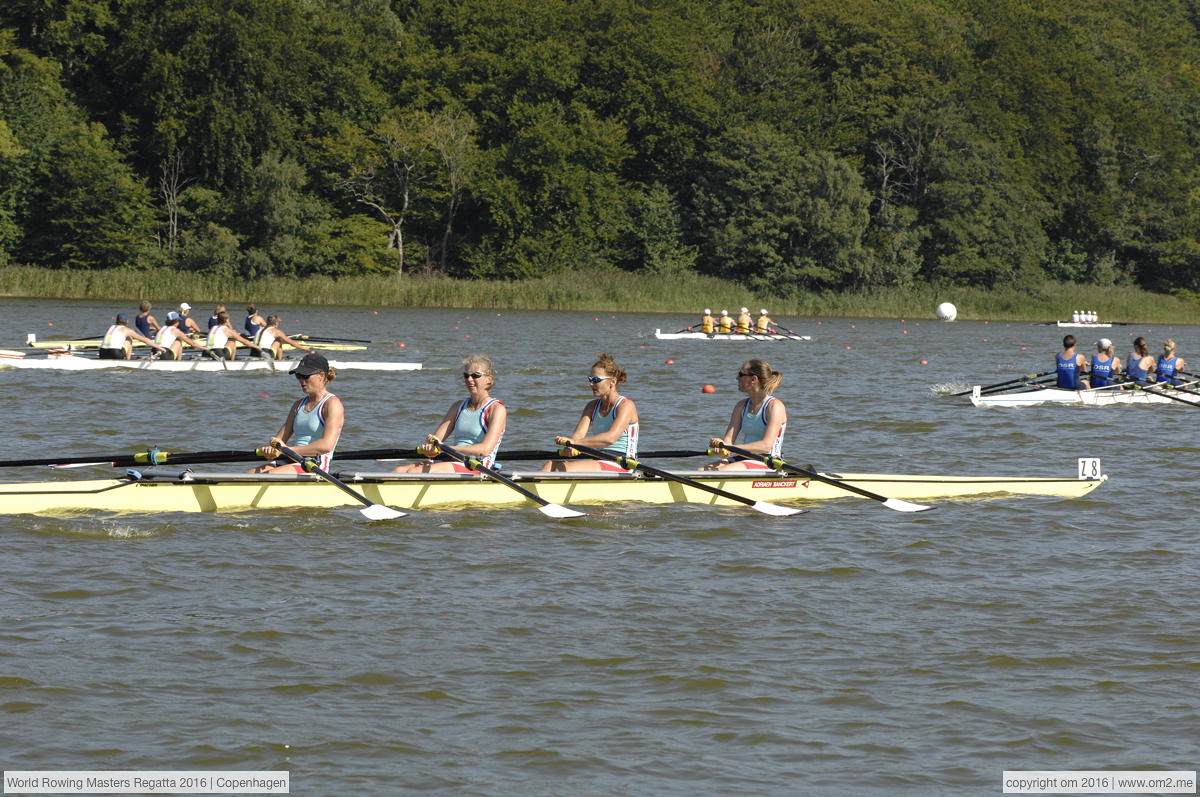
384, 512
1025, 378
474, 464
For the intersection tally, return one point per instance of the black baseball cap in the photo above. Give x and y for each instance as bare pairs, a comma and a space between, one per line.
311, 363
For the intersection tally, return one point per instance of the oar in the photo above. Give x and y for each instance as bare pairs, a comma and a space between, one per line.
546, 508
1154, 389
633, 464
1041, 384
337, 340
779, 464
509, 456
1009, 382
372, 510
151, 457
686, 329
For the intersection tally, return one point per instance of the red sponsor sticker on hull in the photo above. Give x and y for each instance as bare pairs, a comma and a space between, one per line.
774, 483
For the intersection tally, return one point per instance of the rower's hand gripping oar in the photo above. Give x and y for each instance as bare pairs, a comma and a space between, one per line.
474, 463
779, 464
1026, 378
372, 510
633, 464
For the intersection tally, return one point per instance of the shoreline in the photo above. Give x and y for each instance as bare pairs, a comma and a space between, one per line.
595, 291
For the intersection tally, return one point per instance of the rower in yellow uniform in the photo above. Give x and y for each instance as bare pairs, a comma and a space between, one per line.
474, 426
223, 338
706, 323
760, 418
726, 322
270, 339
744, 322
172, 339
315, 420
117, 343
763, 325
611, 419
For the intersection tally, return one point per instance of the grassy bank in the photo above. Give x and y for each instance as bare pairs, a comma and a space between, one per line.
598, 290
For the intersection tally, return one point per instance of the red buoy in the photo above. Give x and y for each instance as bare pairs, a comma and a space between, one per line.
708, 389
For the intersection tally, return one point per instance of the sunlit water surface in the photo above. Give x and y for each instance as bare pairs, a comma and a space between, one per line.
643, 650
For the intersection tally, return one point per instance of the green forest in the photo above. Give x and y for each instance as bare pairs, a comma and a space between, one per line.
791, 146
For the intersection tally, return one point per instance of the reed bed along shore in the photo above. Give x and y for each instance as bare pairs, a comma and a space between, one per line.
600, 290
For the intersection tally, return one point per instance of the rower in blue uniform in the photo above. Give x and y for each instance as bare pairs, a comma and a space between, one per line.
1070, 365
1141, 364
146, 323
1105, 364
254, 322
213, 321
1169, 365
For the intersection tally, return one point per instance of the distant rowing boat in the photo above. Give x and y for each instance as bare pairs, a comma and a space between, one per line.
1097, 397
658, 333
166, 489
95, 344
74, 362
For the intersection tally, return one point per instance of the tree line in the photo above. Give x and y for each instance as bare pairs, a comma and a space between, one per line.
825, 145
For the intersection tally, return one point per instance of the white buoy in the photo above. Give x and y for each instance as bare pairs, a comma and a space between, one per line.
946, 312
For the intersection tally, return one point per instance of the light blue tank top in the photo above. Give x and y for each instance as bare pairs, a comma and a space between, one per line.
754, 427
626, 444
309, 425
471, 427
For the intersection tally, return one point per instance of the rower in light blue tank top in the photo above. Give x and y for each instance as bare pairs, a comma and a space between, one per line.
626, 444
309, 425
754, 426
471, 427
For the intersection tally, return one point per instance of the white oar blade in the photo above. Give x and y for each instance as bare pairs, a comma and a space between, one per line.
905, 506
559, 511
777, 511
380, 512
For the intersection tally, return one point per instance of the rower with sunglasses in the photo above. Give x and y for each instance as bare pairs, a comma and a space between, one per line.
760, 418
611, 419
313, 424
474, 426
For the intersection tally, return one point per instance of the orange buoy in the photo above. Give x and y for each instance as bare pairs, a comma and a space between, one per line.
847, 347
924, 362
708, 389
401, 345
669, 362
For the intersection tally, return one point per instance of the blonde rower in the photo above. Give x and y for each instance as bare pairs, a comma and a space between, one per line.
1169, 365
271, 339
609, 421
223, 338
760, 418
474, 426
315, 421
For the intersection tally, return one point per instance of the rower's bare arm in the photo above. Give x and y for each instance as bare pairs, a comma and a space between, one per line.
735, 426
194, 344
292, 343
284, 434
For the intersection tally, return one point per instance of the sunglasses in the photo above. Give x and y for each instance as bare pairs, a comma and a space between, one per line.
473, 374
595, 380
303, 377
740, 375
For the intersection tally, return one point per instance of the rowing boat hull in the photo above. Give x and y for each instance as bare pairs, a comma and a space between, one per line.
95, 344
658, 333
1082, 325
72, 363
1092, 398
210, 493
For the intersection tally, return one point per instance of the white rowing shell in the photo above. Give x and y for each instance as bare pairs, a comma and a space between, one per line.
658, 333
72, 363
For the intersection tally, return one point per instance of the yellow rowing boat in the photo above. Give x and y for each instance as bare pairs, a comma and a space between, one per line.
165, 489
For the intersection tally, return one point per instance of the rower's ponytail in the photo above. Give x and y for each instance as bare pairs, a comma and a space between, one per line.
1168, 347
769, 379
330, 375
609, 366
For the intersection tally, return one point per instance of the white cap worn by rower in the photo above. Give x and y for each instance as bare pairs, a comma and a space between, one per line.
762, 312
1103, 343
707, 311
745, 309
724, 312
185, 306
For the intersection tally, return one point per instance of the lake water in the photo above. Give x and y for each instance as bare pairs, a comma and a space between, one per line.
643, 650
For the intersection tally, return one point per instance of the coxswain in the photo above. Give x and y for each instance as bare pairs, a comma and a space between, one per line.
726, 323
187, 325
271, 339
707, 322
744, 322
223, 339
609, 421
1070, 366
764, 322
145, 323
760, 418
118, 340
1105, 364
254, 322
213, 320
474, 426
170, 338
1169, 365
1141, 364
313, 424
